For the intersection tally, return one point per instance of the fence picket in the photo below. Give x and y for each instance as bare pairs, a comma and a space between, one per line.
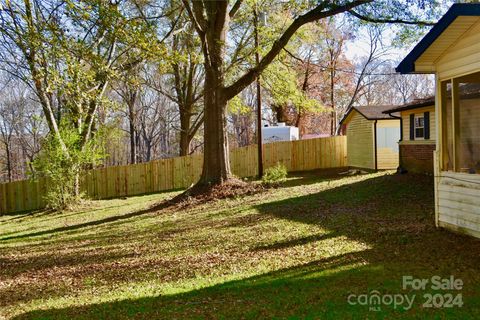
180, 172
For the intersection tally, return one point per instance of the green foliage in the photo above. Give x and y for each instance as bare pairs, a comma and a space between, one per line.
275, 176
237, 106
63, 169
71, 60
283, 84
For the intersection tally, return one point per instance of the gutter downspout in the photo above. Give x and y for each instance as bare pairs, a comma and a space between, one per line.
401, 125
375, 143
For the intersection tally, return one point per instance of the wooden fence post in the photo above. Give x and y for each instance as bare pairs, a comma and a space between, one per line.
180, 172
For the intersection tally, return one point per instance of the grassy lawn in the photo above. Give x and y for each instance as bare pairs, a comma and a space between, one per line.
299, 251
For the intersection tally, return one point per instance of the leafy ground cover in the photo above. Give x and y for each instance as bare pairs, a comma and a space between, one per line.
298, 251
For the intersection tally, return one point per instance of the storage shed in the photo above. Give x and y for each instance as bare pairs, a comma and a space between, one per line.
372, 137
451, 50
417, 141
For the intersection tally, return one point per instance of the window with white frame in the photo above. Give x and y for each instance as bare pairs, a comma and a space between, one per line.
419, 126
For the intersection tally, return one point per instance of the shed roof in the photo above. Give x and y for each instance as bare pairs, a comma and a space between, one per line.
438, 32
370, 112
415, 104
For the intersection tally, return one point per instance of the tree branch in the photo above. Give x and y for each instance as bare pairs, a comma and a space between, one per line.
172, 29
390, 21
235, 8
198, 12
192, 17
313, 15
197, 124
293, 56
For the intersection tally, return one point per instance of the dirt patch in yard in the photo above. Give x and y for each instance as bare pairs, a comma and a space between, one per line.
200, 194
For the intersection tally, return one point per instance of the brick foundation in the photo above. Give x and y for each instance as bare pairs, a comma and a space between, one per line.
417, 157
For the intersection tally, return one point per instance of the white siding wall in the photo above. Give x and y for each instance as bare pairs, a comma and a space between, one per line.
463, 57
458, 194
459, 202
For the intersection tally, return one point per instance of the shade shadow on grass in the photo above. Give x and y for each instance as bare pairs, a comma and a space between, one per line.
306, 290
23, 214
46, 262
48, 215
295, 242
154, 208
393, 215
318, 290
306, 178
364, 210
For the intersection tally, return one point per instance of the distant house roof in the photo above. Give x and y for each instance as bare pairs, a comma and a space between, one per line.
467, 91
460, 9
415, 104
370, 112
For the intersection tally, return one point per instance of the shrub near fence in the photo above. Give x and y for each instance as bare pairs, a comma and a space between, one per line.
180, 172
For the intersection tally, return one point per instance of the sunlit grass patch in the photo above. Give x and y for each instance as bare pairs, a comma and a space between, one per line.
296, 251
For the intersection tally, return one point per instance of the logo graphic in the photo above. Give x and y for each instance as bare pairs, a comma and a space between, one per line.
443, 296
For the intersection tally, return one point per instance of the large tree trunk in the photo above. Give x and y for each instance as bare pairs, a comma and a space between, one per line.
299, 123
216, 159
216, 163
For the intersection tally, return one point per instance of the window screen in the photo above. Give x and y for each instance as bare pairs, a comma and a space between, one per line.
447, 134
468, 134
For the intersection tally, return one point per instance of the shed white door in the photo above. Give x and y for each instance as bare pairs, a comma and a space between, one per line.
387, 147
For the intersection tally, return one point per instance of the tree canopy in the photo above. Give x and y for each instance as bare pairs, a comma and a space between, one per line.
162, 73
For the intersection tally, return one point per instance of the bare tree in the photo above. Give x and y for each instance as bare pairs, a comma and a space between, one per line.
385, 87
128, 88
9, 118
241, 119
157, 117
21, 128
183, 81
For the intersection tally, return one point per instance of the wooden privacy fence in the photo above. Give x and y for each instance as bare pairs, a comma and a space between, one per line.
180, 172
